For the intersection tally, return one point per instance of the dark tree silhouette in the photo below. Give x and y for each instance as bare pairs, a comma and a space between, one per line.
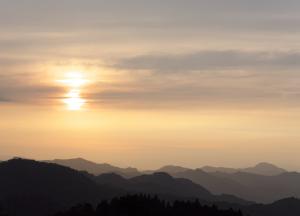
146, 205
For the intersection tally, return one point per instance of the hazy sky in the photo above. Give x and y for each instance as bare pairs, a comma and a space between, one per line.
147, 83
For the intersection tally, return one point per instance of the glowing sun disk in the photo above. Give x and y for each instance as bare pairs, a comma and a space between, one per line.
73, 99
74, 79
74, 103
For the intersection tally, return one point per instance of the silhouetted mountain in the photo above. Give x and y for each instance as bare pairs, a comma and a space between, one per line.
265, 188
30, 188
258, 188
260, 169
288, 207
265, 169
111, 178
164, 184
81, 164
248, 186
95, 168
34, 188
215, 184
143, 205
172, 169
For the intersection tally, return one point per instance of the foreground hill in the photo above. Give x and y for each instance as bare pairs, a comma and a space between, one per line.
287, 207
35, 188
81, 164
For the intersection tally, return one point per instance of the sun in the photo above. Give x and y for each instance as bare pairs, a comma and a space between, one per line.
74, 81
73, 100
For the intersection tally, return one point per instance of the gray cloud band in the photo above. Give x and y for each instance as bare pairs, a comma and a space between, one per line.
212, 60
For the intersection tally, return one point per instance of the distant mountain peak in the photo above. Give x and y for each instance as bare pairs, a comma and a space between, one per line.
265, 165
172, 169
265, 168
82, 164
78, 158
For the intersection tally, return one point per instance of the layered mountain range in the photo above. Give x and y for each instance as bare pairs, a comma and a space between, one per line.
263, 183
32, 188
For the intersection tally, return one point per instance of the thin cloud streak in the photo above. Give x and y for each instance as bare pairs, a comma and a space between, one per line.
213, 60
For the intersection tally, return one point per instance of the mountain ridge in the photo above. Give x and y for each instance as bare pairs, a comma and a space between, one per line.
82, 164
163, 183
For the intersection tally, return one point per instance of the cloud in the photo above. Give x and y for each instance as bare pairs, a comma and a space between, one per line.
30, 94
103, 29
193, 90
3, 100
75, 14
6, 62
212, 60
22, 88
